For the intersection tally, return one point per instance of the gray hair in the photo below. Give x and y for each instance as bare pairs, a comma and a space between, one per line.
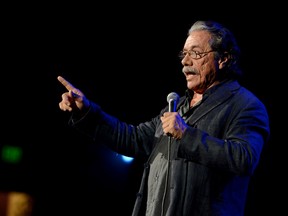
223, 43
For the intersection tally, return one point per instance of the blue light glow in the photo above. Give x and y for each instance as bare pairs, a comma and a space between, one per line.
127, 159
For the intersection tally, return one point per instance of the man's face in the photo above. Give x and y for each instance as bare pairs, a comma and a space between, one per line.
199, 65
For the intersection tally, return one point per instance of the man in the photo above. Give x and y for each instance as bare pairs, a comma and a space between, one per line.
200, 155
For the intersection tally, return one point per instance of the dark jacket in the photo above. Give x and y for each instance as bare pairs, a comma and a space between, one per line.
212, 163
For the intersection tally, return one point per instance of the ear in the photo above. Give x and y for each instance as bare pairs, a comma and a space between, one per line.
223, 61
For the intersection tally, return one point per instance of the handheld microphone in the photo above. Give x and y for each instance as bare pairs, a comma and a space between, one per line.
172, 100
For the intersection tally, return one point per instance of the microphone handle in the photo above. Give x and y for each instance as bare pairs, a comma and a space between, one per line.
172, 105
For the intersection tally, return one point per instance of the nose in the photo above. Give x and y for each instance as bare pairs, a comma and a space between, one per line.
187, 61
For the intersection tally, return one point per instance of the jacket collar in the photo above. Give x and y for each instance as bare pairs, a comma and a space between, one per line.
212, 98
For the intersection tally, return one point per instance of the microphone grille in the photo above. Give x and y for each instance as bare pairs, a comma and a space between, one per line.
172, 96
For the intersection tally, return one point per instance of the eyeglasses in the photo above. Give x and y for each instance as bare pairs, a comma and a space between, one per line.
193, 54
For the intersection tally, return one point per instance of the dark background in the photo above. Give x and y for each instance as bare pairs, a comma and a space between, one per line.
124, 57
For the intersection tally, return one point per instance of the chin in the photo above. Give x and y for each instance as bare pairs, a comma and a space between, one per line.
190, 86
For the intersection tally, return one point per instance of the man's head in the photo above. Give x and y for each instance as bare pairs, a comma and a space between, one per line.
210, 55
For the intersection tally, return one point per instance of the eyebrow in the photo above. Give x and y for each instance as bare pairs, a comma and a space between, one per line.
193, 47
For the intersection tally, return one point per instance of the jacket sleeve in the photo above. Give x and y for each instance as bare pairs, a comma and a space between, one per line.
229, 137
121, 137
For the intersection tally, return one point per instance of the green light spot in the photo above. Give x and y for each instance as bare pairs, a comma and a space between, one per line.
11, 154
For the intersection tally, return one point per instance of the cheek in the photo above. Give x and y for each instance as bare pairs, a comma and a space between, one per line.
204, 69
208, 67
207, 72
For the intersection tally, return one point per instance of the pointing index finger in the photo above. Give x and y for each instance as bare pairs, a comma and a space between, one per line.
65, 83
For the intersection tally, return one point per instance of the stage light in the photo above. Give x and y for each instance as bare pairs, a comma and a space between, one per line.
126, 159
11, 154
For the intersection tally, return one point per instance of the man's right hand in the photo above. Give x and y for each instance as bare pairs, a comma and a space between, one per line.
73, 99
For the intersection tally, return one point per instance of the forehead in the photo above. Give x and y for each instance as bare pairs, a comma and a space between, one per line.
198, 39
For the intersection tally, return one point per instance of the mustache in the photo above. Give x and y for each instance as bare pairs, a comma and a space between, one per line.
189, 70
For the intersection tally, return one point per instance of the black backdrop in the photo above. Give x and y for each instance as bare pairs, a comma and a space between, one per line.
118, 59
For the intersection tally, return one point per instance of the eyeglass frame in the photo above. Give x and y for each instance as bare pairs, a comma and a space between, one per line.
182, 54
